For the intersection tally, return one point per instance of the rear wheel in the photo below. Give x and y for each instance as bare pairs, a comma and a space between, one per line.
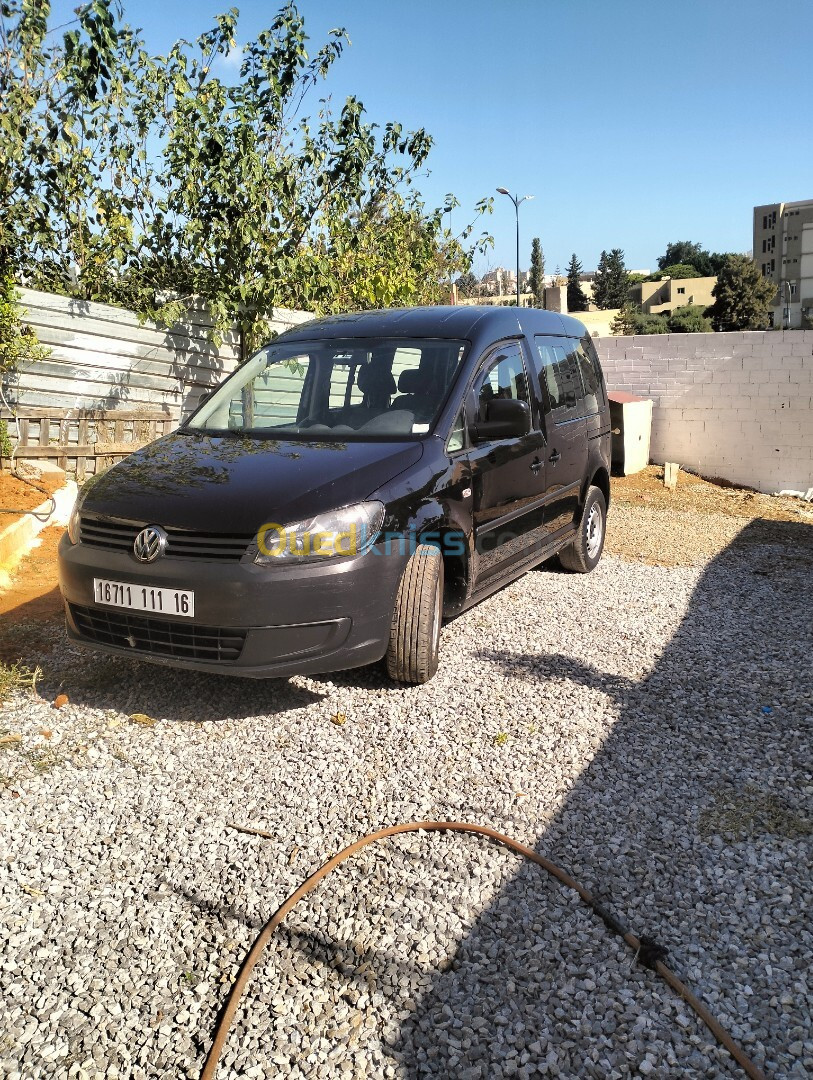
412, 655
583, 554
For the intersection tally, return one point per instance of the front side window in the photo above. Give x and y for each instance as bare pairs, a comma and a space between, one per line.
457, 436
503, 377
346, 390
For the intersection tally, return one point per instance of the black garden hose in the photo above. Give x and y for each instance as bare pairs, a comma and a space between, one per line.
646, 950
46, 514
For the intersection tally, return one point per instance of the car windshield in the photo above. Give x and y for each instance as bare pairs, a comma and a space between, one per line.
352, 389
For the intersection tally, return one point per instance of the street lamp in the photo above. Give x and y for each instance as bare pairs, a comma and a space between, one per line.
516, 200
786, 298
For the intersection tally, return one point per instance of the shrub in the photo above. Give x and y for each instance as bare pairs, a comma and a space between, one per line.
690, 319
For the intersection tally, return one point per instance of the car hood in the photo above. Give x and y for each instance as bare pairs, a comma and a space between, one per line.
235, 484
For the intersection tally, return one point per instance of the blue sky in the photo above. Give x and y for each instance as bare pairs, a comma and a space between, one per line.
632, 123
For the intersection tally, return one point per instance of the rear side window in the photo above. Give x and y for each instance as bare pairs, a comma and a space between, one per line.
591, 376
590, 381
560, 383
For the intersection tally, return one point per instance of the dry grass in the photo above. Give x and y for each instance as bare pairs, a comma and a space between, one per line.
17, 676
740, 815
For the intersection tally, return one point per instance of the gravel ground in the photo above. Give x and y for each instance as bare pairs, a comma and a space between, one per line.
646, 727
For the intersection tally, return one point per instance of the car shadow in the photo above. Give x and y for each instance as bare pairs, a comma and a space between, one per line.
173, 694
33, 633
696, 791
33, 626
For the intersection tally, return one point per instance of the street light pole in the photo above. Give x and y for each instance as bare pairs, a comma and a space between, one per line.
515, 199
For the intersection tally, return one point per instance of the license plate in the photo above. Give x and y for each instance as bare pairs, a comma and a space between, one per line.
123, 594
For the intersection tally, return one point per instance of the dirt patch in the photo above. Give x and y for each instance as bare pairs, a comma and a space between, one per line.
646, 488
18, 495
31, 610
690, 525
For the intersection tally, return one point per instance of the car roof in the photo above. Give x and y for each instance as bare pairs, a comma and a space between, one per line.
467, 322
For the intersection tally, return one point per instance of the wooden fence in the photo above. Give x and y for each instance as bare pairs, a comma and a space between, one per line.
85, 442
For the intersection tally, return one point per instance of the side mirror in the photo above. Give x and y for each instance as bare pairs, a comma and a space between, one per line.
506, 418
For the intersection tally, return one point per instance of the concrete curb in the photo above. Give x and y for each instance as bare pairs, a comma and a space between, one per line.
17, 539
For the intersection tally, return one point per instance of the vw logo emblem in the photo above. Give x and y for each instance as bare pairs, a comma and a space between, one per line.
150, 544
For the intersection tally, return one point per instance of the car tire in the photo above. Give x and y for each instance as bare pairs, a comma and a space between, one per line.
412, 655
584, 553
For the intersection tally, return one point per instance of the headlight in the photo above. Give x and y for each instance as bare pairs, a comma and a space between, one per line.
73, 521
351, 530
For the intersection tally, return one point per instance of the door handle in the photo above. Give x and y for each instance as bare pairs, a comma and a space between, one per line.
535, 466
554, 456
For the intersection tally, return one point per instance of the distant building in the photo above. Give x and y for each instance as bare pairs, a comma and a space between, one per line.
783, 250
662, 297
499, 281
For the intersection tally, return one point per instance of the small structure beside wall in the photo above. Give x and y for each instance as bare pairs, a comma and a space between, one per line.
737, 406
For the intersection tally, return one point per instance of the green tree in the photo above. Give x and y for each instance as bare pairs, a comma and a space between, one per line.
717, 262
50, 163
18, 345
680, 271
537, 274
689, 319
387, 255
651, 324
18, 342
468, 285
151, 181
685, 252
743, 297
611, 283
623, 323
576, 300
632, 320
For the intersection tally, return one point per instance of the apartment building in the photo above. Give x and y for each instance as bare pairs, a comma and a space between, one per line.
662, 297
783, 250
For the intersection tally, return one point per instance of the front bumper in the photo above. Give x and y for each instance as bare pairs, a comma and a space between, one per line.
287, 620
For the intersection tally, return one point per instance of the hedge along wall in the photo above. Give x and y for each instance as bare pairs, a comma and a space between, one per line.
103, 359
736, 406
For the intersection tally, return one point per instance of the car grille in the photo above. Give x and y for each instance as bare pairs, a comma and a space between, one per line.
185, 641
181, 543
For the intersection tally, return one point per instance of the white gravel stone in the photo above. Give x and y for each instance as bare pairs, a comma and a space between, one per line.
639, 757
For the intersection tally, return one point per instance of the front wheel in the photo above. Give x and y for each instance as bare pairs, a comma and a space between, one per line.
412, 655
583, 554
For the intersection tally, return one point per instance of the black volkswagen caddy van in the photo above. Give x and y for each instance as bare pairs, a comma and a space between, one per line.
353, 483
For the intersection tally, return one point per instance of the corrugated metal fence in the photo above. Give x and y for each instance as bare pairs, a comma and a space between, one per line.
112, 383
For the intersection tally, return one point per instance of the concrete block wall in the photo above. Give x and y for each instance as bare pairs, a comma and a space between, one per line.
736, 406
